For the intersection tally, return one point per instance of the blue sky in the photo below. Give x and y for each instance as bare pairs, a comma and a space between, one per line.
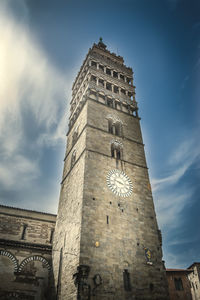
42, 46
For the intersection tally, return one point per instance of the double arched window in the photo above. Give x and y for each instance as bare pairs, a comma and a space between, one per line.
116, 149
115, 127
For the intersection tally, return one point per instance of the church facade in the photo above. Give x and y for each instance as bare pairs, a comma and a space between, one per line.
25, 254
106, 244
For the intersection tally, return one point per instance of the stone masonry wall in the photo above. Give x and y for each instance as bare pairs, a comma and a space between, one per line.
25, 254
123, 227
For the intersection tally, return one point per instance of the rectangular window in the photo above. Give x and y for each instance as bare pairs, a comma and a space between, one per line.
94, 64
108, 86
108, 71
121, 76
93, 79
116, 89
115, 74
109, 102
178, 284
101, 82
101, 67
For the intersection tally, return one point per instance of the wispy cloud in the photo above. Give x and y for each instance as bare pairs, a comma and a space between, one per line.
170, 195
29, 82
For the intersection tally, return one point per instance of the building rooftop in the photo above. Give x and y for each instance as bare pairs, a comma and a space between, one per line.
179, 270
24, 209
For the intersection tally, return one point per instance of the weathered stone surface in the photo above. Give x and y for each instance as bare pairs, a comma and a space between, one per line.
95, 228
25, 259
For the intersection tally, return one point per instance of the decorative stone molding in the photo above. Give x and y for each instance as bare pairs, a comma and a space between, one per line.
11, 257
34, 258
114, 118
117, 144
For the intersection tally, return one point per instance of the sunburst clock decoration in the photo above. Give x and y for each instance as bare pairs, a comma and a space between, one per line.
119, 183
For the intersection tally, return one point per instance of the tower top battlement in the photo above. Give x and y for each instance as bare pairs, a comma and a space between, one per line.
110, 57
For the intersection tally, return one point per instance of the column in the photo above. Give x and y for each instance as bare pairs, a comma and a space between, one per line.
106, 100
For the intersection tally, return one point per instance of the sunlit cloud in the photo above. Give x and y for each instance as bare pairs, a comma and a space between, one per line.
29, 82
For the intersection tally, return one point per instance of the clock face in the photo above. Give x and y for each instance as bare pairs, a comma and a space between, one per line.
119, 183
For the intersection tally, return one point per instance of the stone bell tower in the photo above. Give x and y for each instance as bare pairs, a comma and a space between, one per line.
107, 244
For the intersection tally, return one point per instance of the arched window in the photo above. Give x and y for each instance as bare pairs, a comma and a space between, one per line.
114, 127
73, 158
116, 149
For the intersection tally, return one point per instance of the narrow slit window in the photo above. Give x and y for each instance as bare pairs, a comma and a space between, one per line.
126, 277
23, 237
51, 236
107, 219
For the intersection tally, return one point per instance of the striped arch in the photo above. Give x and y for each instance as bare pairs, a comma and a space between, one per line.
33, 258
10, 256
